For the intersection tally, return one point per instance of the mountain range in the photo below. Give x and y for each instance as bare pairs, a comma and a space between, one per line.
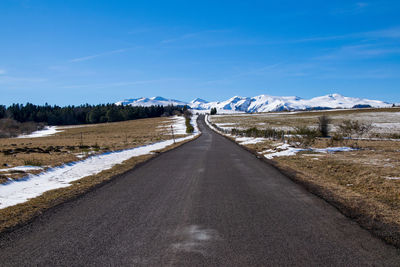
262, 103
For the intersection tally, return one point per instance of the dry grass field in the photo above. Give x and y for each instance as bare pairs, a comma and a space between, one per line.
364, 181
77, 142
385, 121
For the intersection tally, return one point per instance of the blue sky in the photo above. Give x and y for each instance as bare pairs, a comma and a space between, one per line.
74, 52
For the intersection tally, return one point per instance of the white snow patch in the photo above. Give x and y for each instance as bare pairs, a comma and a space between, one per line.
391, 178
177, 123
291, 151
333, 149
15, 192
84, 154
22, 168
47, 131
250, 140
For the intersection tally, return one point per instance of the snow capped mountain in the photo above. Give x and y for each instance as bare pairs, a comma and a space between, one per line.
263, 103
152, 101
198, 103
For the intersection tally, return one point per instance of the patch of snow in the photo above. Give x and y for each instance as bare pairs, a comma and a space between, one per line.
391, 178
47, 131
291, 151
84, 154
250, 140
225, 124
333, 149
22, 168
267, 151
283, 146
15, 192
177, 123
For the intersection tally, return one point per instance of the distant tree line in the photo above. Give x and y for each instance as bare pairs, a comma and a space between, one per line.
84, 114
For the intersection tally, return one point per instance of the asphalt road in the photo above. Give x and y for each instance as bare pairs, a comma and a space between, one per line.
206, 203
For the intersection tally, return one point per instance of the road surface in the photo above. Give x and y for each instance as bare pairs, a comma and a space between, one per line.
206, 203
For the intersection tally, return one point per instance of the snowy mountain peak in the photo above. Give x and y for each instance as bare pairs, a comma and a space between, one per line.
158, 98
198, 100
335, 96
262, 103
152, 101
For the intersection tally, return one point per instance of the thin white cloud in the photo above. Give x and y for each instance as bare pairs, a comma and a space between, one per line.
2, 71
355, 8
359, 51
80, 59
393, 32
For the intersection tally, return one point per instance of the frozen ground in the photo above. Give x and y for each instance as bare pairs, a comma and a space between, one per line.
19, 191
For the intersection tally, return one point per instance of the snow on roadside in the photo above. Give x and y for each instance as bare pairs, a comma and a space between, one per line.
22, 168
227, 126
250, 140
292, 151
47, 131
19, 191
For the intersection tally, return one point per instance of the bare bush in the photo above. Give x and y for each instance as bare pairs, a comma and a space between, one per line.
255, 132
11, 128
323, 125
350, 128
305, 136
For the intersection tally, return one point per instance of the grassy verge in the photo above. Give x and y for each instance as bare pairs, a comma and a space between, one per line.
358, 191
20, 214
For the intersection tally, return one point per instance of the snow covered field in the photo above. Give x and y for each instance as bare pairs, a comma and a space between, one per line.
19, 191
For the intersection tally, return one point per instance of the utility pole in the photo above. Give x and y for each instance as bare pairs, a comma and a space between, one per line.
173, 136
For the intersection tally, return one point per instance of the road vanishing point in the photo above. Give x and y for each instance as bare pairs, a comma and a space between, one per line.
208, 202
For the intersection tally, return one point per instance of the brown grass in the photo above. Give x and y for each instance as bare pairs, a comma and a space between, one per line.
65, 146
289, 120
